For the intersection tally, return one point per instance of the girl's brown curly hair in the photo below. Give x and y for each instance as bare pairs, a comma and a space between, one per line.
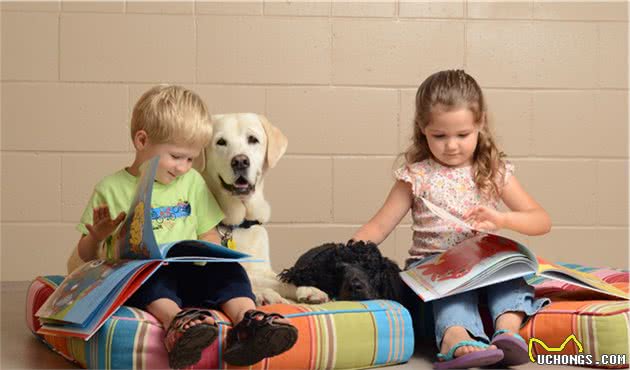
450, 90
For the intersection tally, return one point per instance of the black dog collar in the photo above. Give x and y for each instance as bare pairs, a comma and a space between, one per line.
246, 224
226, 236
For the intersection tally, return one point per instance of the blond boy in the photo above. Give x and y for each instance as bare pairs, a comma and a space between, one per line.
173, 123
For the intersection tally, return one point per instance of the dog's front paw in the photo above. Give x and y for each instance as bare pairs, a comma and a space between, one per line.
310, 294
269, 296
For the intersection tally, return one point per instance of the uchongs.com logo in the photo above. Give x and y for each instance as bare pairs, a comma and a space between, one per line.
553, 355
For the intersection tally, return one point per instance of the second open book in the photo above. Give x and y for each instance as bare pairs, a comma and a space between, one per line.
487, 259
93, 292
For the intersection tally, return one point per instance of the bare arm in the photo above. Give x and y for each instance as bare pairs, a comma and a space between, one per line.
526, 216
211, 236
88, 247
103, 227
385, 220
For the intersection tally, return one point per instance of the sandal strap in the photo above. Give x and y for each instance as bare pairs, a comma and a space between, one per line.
451, 353
253, 314
508, 332
260, 318
252, 320
183, 317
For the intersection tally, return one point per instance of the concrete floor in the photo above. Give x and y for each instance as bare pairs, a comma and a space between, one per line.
19, 349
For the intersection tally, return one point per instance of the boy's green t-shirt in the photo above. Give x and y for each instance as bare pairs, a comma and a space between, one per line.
183, 209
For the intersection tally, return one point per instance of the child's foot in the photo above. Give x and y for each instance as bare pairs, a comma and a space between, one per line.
459, 350
205, 320
259, 335
507, 339
190, 332
456, 334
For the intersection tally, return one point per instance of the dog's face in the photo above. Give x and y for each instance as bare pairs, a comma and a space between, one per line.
243, 145
355, 283
347, 272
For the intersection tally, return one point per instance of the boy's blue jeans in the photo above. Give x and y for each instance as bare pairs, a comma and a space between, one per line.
463, 309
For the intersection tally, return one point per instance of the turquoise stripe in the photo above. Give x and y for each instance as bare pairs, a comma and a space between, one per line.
332, 312
55, 279
119, 349
123, 343
407, 339
382, 352
100, 339
126, 312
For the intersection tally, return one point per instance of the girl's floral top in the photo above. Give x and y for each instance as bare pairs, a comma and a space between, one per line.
452, 189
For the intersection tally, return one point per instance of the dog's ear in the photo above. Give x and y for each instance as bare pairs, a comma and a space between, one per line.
276, 142
199, 163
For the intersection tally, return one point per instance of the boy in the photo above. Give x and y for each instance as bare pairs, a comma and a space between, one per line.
173, 123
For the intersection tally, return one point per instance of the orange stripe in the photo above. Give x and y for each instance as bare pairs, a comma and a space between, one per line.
391, 336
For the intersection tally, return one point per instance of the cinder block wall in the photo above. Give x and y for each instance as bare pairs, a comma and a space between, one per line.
339, 79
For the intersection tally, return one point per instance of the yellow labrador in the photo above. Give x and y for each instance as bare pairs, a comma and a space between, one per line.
243, 147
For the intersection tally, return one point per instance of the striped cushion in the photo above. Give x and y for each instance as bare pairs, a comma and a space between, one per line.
336, 335
601, 326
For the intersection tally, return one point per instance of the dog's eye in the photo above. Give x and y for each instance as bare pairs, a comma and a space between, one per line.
252, 139
221, 142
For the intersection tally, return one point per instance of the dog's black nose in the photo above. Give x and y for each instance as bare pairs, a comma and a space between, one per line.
240, 162
357, 286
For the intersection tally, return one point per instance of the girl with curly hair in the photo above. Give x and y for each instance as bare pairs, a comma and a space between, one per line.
454, 162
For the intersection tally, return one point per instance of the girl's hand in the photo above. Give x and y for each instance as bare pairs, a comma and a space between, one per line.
103, 224
484, 218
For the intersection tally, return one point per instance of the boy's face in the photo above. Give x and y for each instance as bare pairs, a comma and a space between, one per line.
175, 160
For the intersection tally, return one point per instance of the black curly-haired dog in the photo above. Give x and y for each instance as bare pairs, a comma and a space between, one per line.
357, 271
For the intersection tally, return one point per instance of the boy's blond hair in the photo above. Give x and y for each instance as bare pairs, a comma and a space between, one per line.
172, 114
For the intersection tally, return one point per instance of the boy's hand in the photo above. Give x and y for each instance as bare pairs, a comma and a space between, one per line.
103, 224
484, 218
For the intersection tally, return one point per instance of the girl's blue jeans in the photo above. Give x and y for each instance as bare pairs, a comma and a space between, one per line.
463, 309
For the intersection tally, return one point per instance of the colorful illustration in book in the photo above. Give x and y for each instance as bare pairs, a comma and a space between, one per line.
454, 263
91, 294
78, 285
486, 259
135, 235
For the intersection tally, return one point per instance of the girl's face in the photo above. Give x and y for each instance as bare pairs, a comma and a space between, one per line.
452, 136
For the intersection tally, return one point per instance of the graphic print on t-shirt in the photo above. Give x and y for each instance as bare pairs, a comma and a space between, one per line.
164, 217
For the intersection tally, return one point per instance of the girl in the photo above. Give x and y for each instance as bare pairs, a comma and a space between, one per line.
454, 163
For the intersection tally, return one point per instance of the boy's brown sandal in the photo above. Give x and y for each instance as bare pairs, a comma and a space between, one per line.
184, 346
258, 336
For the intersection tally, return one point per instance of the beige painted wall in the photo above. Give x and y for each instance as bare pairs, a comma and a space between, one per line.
339, 79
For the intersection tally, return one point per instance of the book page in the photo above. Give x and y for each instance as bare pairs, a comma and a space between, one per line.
581, 279
445, 215
135, 239
201, 250
478, 261
82, 291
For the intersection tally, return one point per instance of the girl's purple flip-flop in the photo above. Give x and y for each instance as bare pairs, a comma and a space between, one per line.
474, 359
514, 348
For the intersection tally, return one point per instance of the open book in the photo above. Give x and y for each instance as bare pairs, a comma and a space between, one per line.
93, 292
487, 259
